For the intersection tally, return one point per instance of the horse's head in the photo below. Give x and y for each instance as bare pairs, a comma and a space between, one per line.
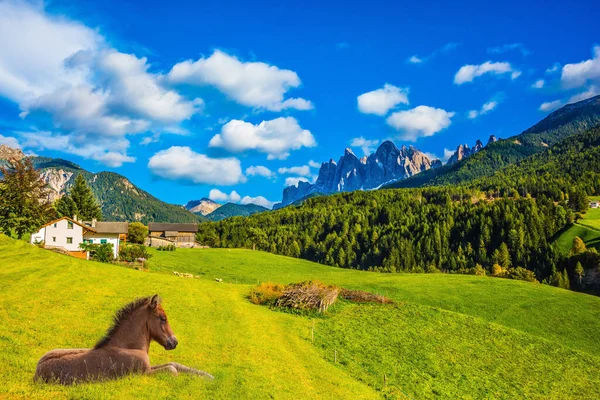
158, 325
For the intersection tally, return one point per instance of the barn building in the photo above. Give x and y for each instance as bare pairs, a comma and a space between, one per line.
181, 235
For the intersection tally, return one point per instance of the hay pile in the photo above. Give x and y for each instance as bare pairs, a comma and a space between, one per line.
309, 295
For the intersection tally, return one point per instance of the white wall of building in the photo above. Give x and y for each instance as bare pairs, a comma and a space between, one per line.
97, 238
39, 236
58, 234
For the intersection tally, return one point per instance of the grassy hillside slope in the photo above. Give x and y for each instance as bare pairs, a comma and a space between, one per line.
449, 336
587, 229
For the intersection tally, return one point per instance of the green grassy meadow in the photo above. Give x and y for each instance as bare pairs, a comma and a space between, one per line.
588, 229
447, 336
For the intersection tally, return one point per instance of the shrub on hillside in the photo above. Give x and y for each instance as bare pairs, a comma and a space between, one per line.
169, 247
521, 274
99, 252
131, 253
266, 293
479, 270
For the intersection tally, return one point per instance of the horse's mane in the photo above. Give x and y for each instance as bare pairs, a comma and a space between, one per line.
119, 318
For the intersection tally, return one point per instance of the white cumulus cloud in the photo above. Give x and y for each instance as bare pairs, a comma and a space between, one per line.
302, 170
550, 105
234, 197
415, 60
253, 84
217, 195
276, 137
92, 150
259, 170
366, 145
314, 164
258, 200
293, 180
486, 108
421, 121
581, 73
467, 73
382, 100
538, 84
182, 163
87, 92
10, 141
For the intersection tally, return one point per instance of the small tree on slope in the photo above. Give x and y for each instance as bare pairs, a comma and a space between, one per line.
24, 198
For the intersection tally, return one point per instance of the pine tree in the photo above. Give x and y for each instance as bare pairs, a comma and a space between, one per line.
566, 281
579, 271
24, 198
66, 207
84, 200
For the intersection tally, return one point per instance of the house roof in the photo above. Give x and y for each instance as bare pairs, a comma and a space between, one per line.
159, 227
68, 219
111, 227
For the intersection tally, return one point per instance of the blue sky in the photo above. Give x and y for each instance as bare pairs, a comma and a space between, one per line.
185, 98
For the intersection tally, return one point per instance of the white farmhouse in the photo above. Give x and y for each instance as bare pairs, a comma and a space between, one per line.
66, 233
594, 204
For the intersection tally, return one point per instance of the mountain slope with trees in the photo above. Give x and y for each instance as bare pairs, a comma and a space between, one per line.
560, 124
119, 199
229, 210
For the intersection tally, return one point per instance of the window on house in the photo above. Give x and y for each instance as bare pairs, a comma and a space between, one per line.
55, 224
54, 238
69, 225
69, 240
102, 241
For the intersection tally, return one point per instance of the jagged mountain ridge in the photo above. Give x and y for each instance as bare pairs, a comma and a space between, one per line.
388, 163
463, 150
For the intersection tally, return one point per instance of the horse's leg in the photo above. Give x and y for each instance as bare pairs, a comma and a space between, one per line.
188, 370
163, 368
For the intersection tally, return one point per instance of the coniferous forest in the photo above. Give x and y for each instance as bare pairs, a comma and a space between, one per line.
501, 225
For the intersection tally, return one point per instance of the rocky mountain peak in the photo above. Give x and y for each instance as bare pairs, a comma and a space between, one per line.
387, 163
492, 139
203, 206
7, 153
463, 150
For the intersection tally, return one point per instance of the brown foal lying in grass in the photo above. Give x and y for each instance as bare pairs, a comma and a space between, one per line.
124, 349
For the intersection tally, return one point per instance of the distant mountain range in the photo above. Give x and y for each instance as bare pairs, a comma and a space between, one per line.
393, 167
351, 173
388, 164
214, 211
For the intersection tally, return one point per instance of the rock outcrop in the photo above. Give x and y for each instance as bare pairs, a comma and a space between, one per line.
6, 153
203, 206
463, 150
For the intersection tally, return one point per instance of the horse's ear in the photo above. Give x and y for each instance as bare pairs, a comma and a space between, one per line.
156, 300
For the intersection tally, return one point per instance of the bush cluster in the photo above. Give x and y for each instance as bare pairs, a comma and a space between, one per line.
131, 253
169, 247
